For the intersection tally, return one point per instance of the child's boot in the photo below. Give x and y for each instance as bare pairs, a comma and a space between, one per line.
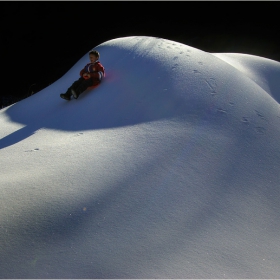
66, 95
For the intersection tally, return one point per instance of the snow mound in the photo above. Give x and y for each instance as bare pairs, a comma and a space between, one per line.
168, 169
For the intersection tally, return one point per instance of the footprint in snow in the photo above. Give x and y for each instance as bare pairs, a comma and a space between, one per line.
34, 150
220, 110
245, 120
212, 85
196, 72
260, 130
260, 115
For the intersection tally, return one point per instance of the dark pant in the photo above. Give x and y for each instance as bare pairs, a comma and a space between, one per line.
79, 86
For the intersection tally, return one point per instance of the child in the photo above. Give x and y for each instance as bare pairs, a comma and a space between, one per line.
91, 75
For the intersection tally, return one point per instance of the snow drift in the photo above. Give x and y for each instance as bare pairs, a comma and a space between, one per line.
169, 169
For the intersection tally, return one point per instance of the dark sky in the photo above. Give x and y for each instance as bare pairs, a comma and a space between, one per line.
41, 41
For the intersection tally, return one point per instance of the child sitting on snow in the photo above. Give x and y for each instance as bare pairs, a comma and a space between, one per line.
91, 75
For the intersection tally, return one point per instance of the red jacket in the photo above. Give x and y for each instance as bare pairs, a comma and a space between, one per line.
96, 71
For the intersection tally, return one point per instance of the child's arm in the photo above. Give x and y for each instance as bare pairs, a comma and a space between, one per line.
99, 73
82, 72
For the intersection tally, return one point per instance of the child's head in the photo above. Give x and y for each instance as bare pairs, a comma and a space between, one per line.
94, 55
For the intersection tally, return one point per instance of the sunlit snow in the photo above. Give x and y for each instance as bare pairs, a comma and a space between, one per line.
168, 169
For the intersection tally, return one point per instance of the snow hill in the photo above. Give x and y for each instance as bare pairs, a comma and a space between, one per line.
169, 169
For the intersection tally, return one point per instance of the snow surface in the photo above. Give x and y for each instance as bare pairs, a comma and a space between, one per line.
169, 169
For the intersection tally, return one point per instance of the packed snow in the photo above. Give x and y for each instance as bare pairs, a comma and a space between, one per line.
168, 169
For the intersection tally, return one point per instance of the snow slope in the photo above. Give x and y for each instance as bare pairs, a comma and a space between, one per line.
169, 169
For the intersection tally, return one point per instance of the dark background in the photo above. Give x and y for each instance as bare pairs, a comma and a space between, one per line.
41, 41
